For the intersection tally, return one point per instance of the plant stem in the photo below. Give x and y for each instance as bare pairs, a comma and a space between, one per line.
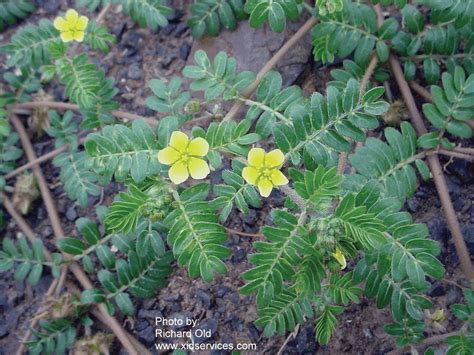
436, 172
58, 232
288, 191
269, 66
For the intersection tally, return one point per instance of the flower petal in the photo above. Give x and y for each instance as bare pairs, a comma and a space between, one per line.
250, 175
198, 147
265, 187
178, 173
179, 141
168, 156
67, 36
274, 159
72, 16
278, 179
79, 36
198, 168
339, 256
81, 23
61, 24
256, 157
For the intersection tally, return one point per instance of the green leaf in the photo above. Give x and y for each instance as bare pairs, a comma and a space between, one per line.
147, 13
326, 323
91, 296
71, 246
459, 129
423, 169
124, 303
413, 19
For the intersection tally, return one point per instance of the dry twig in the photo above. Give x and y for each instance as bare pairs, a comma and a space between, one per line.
58, 232
269, 66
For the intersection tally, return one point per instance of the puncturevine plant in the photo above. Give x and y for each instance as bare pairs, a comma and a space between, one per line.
342, 233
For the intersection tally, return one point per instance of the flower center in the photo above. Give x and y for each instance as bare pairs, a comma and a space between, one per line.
185, 157
266, 173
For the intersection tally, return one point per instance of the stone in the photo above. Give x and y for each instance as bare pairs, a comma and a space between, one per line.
180, 29
413, 205
149, 314
181, 319
453, 295
71, 214
221, 291
50, 6
134, 71
467, 231
204, 297
204, 327
146, 332
184, 50
238, 255
436, 290
251, 217
133, 39
46, 231
253, 47
168, 29
455, 190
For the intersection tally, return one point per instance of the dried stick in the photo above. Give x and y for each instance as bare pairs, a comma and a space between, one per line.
102, 13
269, 66
58, 232
433, 162
367, 75
420, 90
435, 339
341, 165
30, 234
291, 336
75, 290
456, 154
436, 171
22, 224
68, 106
234, 231
41, 159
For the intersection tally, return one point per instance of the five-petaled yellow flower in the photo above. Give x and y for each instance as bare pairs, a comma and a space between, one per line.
72, 26
264, 170
185, 157
341, 259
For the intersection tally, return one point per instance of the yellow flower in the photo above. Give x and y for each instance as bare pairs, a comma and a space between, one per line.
339, 256
71, 27
185, 157
264, 170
